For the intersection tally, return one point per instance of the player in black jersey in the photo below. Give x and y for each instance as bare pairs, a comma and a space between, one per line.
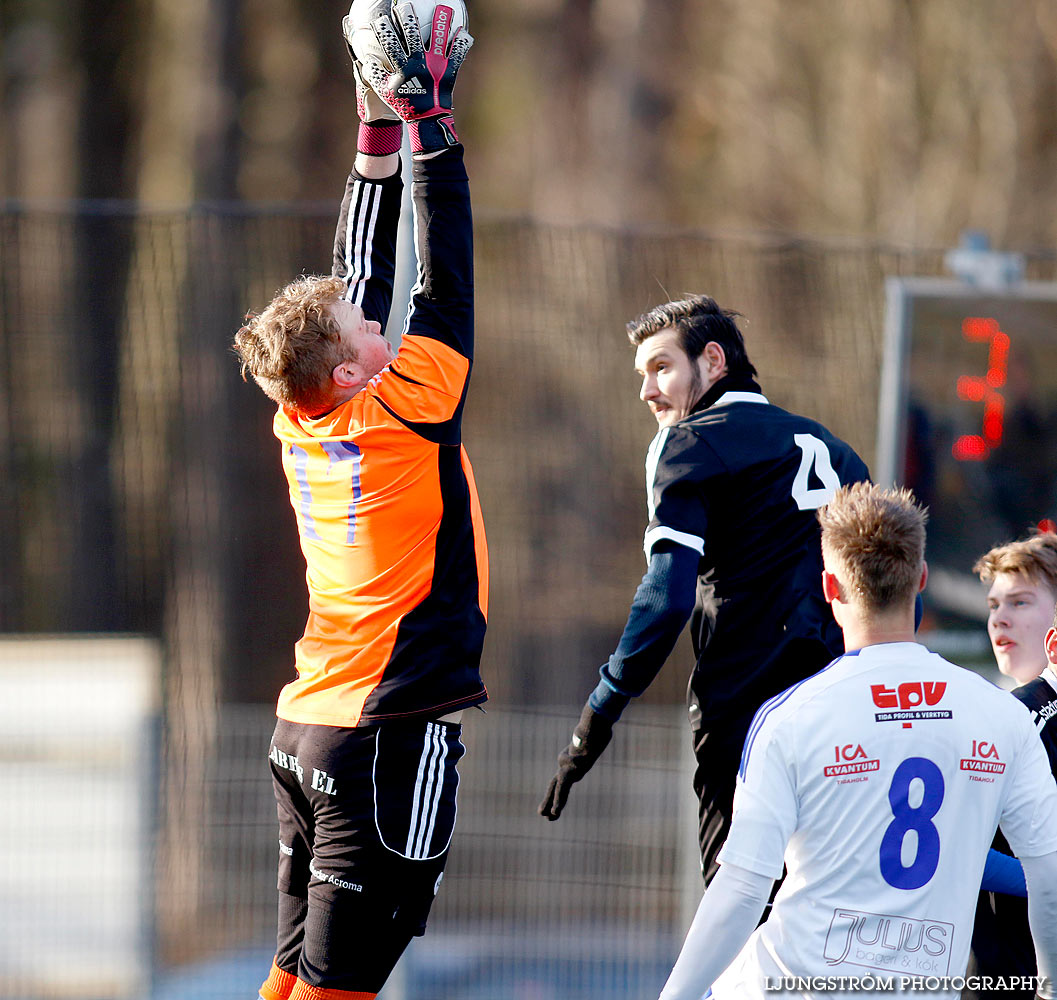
733, 483
1021, 617
1040, 695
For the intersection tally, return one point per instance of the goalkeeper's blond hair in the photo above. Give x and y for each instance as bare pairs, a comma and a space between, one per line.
294, 344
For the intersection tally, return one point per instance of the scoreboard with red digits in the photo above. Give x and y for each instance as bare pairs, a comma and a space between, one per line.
968, 420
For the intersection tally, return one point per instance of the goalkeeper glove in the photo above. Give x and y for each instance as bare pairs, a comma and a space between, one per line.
590, 737
369, 106
420, 88
381, 129
379, 134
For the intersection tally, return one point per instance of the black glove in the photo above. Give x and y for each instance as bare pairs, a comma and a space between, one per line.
590, 737
420, 88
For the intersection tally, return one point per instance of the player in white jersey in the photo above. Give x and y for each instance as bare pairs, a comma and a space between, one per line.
878, 783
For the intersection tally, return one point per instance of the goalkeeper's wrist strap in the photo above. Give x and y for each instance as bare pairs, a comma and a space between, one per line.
379, 138
428, 135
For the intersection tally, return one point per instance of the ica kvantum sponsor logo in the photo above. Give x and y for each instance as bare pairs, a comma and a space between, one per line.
909, 702
889, 942
984, 759
850, 759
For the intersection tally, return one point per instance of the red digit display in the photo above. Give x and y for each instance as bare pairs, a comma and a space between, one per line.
984, 389
968, 421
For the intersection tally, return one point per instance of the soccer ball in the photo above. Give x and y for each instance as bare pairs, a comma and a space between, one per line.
362, 40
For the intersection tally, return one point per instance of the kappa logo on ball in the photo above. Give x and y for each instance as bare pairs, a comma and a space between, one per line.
911, 700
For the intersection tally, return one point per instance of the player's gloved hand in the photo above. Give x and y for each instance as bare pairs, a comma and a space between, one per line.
369, 106
420, 88
381, 130
590, 737
379, 135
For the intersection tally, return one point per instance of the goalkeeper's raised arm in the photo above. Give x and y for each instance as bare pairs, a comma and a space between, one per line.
419, 91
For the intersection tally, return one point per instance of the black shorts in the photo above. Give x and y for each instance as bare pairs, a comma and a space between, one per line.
366, 817
718, 754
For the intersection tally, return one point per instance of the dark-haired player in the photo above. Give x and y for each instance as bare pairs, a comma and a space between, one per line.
732, 483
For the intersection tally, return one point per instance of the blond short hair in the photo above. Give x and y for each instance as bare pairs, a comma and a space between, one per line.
877, 538
292, 347
1034, 558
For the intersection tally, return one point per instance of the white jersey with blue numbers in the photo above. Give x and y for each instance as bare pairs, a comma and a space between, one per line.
879, 783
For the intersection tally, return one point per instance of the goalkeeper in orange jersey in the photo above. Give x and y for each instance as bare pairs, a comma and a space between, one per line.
365, 749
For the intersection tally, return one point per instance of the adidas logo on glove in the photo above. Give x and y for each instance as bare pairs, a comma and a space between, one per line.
412, 86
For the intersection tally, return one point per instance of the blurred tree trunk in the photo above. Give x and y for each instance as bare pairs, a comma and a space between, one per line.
178, 374
38, 114
103, 38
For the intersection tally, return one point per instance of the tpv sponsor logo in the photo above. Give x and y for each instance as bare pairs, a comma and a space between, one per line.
910, 701
912, 694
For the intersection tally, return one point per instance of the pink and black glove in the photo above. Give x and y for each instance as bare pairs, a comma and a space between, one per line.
420, 88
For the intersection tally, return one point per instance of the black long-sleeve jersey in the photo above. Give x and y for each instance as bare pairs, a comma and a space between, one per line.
738, 482
1002, 944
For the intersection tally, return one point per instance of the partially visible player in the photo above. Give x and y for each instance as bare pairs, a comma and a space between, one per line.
732, 485
878, 783
1021, 601
364, 753
1042, 701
